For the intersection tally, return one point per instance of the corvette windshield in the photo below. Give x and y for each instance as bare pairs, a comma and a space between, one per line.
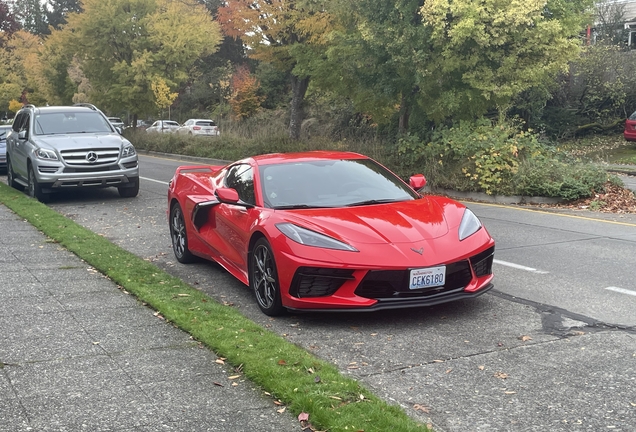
71, 123
330, 183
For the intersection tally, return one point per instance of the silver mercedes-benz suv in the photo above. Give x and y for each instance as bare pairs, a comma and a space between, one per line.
54, 148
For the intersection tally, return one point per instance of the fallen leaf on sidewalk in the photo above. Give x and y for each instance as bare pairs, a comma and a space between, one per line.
500, 375
423, 408
524, 338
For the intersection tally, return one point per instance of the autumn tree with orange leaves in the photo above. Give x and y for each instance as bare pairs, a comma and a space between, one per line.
289, 34
245, 100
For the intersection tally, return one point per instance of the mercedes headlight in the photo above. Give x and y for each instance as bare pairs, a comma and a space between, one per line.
45, 154
128, 151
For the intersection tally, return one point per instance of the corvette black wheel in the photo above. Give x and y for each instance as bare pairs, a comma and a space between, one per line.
264, 279
179, 236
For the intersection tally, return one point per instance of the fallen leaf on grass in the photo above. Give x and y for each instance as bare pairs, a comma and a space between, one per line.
282, 362
303, 417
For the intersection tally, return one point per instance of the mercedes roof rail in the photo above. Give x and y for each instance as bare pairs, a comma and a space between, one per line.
86, 105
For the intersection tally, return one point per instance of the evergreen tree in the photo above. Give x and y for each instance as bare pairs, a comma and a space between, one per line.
58, 10
32, 15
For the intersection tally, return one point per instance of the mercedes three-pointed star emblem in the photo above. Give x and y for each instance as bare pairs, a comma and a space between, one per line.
91, 157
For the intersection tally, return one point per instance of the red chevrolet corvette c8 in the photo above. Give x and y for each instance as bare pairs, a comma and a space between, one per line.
328, 231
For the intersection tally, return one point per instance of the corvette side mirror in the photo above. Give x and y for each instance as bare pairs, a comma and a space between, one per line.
227, 195
417, 182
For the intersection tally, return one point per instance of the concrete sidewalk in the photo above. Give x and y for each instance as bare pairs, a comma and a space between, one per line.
79, 354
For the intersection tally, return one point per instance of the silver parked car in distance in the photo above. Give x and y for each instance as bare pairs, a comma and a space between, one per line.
163, 126
117, 122
64, 147
4, 131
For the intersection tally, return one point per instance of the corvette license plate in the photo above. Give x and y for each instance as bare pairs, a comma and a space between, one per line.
427, 277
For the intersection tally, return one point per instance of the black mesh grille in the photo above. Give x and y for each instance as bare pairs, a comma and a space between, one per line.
318, 282
482, 262
91, 169
395, 283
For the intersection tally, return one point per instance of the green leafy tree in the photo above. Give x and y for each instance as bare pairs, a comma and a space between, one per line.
485, 53
373, 58
287, 34
122, 45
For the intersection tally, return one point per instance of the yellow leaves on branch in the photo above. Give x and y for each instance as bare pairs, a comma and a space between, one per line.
163, 97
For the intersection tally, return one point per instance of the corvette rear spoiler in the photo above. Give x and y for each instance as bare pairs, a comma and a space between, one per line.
198, 168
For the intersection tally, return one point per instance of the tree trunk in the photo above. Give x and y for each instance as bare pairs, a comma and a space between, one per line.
403, 125
296, 114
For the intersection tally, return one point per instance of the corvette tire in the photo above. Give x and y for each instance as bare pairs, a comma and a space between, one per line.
264, 279
179, 236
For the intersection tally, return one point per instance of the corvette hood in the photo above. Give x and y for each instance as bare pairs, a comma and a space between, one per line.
81, 141
403, 222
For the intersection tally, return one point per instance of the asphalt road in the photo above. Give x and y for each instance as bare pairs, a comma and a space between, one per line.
553, 347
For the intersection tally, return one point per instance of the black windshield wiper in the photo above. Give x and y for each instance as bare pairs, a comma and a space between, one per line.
373, 201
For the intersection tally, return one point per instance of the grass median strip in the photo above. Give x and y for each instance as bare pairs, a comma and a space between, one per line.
301, 381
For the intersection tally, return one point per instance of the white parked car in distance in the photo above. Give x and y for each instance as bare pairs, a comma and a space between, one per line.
200, 127
163, 126
116, 121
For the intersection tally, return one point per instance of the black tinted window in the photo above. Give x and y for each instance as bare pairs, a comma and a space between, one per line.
330, 183
70, 122
241, 178
206, 123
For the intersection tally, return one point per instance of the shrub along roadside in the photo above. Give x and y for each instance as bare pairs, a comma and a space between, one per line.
477, 156
300, 380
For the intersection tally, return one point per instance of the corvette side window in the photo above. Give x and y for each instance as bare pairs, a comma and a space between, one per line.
241, 178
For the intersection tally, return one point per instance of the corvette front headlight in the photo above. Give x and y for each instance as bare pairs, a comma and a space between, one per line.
45, 154
311, 238
128, 150
469, 226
